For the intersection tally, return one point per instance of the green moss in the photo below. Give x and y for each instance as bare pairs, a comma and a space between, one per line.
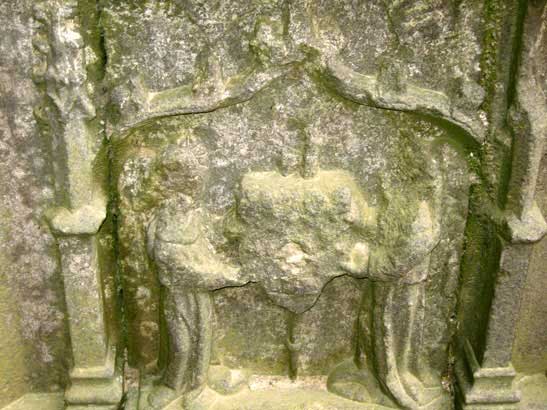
493, 17
89, 14
479, 268
501, 49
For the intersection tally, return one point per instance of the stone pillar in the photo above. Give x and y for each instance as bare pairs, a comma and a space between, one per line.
84, 301
95, 376
488, 382
484, 371
71, 122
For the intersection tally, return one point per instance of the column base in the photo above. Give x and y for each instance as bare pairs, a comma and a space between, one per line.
481, 388
98, 388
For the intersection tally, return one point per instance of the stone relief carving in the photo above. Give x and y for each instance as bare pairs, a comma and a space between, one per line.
295, 233
295, 227
285, 221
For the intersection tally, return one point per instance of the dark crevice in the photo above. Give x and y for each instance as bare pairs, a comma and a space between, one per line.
517, 47
479, 264
112, 205
502, 45
512, 101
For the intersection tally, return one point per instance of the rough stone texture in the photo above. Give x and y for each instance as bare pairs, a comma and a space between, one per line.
14, 377
296, 115
292, 204
33, 346
529, 355
531, 338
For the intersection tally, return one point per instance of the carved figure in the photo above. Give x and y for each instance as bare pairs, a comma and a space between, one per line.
398, 272
297, 233
188, 269
300, 226
297, 230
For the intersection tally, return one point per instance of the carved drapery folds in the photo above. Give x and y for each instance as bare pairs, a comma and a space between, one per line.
294, 184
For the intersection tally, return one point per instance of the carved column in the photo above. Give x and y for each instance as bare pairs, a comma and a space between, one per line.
485, 373
68, 118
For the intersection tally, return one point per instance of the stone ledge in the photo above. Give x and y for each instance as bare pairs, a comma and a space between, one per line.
38, 401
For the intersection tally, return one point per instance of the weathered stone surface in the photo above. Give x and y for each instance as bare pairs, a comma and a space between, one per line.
33, 335
273, 204
529, 355
531, 338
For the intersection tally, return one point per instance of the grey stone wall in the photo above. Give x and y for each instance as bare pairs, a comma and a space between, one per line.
151, 46
32, 320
